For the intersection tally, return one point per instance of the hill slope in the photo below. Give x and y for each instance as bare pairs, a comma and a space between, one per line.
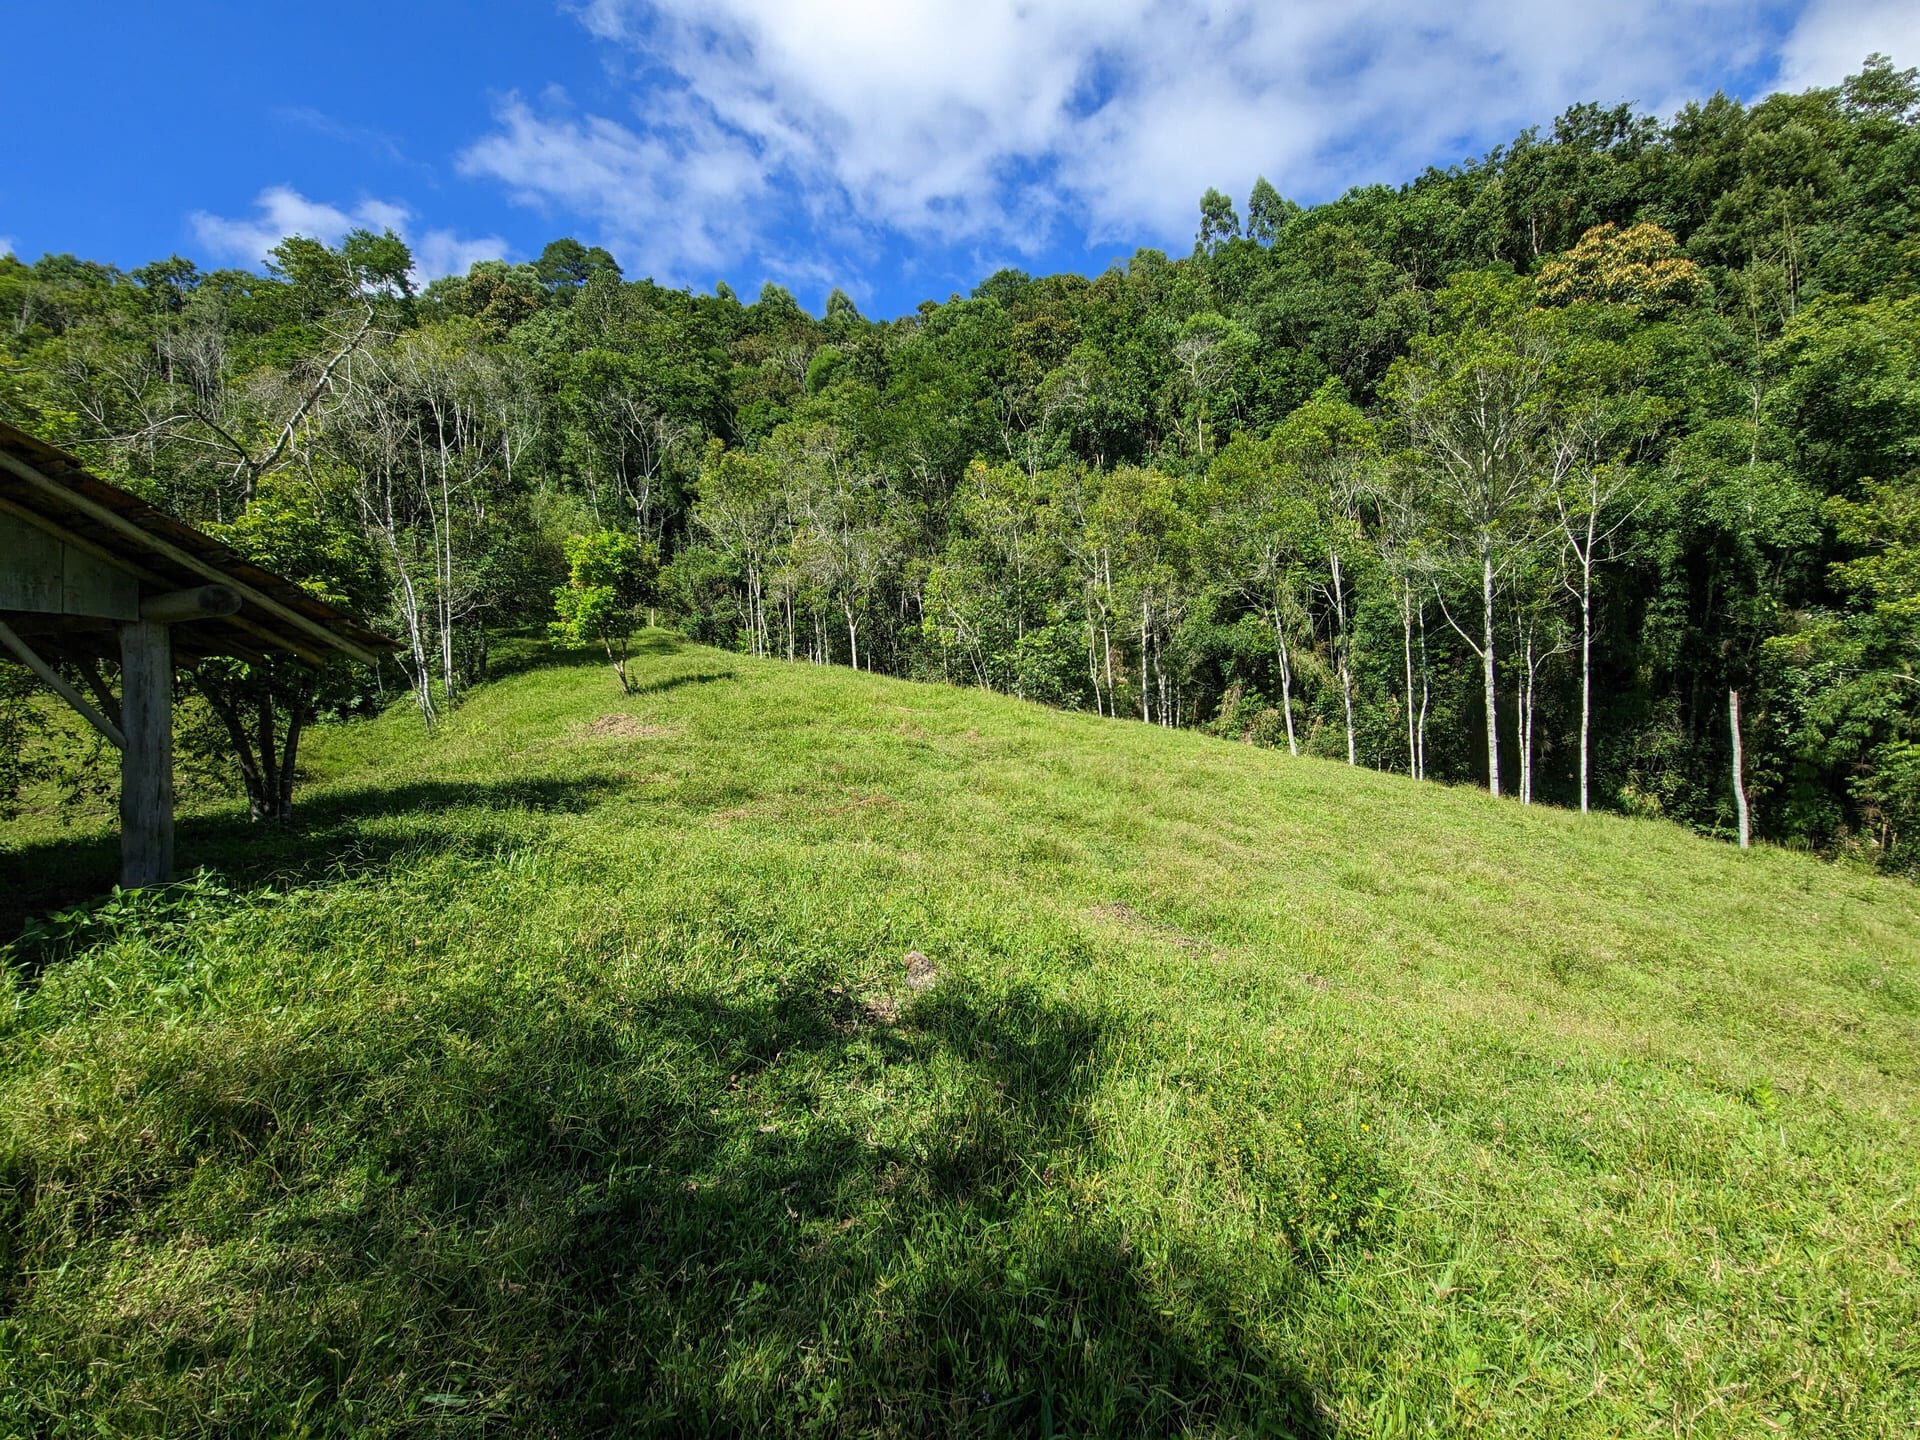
567, 1072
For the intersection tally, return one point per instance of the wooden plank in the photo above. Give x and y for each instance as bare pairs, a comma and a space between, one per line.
50, 526
146, 762
123, 526
41, 573
32, 568
94, 587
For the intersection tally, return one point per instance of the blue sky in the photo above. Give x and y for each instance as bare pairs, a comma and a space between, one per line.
901, 151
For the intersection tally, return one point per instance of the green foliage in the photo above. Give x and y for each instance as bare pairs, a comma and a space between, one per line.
610, 576
567, 264
1218, 222
1268, 212
19, 720
1678, 344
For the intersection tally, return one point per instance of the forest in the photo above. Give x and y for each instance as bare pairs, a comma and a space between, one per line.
1588, 472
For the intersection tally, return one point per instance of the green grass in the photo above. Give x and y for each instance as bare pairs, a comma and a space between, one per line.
561, 1075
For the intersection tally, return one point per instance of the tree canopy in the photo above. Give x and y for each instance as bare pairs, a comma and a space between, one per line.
1517, 471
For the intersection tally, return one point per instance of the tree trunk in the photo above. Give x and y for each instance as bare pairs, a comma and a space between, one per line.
1406, 640
1093, 667
409, 610
1340, 644
1739, 771
446, 656
1106, 646
1146, 695
1586, 673
1286, 677
1486, 667
1426, 689
269, 755
1526, 728
447, 692
289, 754
242, 747
1160, 680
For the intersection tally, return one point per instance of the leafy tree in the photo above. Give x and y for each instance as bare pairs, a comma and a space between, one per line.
1471, 399
1218, 222
609, 576
1640, 266
1268, 212
566, 265
300, 528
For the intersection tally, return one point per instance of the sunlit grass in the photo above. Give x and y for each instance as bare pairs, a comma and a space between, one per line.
561, 1074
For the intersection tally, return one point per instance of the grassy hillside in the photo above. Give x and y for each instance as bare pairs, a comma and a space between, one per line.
791, 1049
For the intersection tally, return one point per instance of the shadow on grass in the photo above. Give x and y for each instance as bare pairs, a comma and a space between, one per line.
674, 682
324, 834
334, 831
489, 1210
527, 650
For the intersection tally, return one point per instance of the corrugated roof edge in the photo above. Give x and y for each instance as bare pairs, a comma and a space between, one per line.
67, 471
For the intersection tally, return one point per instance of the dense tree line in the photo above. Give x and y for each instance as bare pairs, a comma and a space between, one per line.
1586, 472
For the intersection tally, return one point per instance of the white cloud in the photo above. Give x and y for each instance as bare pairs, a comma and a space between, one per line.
999, 123
283, 211
1834, 36
441, 252
682, 185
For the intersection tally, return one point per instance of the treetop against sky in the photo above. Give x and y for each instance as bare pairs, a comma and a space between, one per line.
899, 152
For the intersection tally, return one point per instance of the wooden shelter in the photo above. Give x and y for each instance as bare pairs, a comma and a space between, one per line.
89, 571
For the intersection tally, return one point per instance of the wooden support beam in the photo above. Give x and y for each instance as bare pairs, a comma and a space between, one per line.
59, 686
114, 521
146, 761
312, 655
203, 602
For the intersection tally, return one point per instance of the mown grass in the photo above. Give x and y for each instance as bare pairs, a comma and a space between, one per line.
561, 1075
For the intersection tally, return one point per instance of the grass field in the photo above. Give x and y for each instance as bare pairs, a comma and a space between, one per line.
792, 1050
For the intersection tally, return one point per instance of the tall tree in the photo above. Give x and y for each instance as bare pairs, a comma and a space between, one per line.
1471, 399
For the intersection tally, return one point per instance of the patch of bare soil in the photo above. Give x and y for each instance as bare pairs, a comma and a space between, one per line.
857, 801
848, 1011
626, 727
1117, 913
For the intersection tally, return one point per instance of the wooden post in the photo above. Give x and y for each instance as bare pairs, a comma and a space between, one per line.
146, 764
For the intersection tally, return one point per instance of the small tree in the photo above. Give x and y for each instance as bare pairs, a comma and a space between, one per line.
608, 576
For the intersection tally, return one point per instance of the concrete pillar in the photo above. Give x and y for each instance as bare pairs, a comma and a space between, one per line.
146, 764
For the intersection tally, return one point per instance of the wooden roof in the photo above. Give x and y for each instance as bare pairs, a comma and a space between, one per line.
52, 491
